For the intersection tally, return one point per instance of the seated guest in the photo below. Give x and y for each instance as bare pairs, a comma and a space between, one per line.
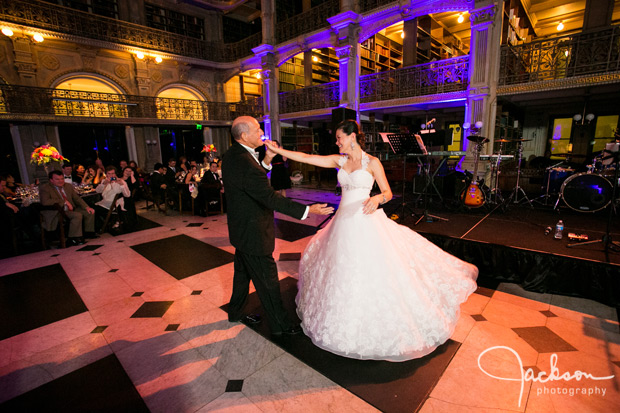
131, 218
10, 186
58, 192
8, 218
159, 185
211, 186
108, 188
67, 171
122, 165
78, 173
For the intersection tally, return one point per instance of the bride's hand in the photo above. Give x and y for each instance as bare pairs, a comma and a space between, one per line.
272, 146
370, 205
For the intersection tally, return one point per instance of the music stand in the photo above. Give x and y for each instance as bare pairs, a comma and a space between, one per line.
401, 144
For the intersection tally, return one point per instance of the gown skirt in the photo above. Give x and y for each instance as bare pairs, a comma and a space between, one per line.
370, 288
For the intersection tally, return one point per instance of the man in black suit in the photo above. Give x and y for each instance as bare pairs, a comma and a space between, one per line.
211, 186
251, 202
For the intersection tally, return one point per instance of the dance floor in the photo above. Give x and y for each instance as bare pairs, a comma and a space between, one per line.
135, 322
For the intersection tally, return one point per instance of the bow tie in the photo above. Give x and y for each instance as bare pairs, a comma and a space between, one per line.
67, 177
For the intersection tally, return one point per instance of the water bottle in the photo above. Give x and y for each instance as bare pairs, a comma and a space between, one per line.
559, 227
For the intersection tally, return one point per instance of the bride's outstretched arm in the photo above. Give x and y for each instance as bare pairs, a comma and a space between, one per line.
324, 161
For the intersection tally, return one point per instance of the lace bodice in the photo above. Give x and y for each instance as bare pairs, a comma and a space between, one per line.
360, 179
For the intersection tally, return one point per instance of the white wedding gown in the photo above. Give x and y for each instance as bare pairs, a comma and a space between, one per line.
370, 288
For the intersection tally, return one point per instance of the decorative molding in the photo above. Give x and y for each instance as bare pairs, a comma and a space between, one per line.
156, 76
49, 61
556, 84
483, 15
122, 71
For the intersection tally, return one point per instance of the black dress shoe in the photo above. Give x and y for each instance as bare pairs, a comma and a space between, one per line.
74, 242
91, 235
248, 319
289, 331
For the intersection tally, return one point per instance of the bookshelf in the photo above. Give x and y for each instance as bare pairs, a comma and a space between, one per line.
380, 53
299, 139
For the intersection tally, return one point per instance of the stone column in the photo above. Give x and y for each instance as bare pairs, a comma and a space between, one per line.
348, 52
270, 90
484, 54
24, 60
130, 139
410, 42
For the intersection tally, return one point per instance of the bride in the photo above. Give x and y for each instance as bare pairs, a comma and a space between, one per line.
370, 288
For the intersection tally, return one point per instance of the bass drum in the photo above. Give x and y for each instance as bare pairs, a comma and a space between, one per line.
585, 192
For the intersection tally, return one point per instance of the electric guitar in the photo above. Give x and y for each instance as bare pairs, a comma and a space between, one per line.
473, 196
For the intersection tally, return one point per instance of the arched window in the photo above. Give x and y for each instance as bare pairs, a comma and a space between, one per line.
181, 102
89, 95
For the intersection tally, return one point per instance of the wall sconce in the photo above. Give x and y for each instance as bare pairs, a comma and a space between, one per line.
37, 38
560, 26
158, 59
461, 18
149, 142
583, 118
473, 129
7, 32
257, 75
140, 55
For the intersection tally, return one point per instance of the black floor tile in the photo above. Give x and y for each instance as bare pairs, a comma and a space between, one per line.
234, 386
37, 297
152, 309
102, 386
182, 256
90, 247
478, 317
195, 224
290, 256
292, 231
389, 386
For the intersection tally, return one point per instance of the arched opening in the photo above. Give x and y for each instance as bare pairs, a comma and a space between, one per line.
88, 95
181, 102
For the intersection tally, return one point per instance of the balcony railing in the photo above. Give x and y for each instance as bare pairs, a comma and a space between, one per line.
307, 22
77, 23
561, 57
26, 102
367, 5
444, 76
322, 96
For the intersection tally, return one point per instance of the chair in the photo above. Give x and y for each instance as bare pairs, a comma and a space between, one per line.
113, 210
148, 196
181, 188
61, 223
221, 203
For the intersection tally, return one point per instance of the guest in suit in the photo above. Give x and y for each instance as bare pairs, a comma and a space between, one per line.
57, 192
158, 183
211, 186
251, 204
67, 171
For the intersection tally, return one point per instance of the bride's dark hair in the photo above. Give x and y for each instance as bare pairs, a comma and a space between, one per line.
350, 126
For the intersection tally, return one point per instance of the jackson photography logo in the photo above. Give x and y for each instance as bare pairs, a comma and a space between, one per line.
544, 377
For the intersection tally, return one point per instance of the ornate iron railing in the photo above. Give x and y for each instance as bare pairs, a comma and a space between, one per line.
561, 57
73, 22
444, 76
17, 101
322, 96
307, 22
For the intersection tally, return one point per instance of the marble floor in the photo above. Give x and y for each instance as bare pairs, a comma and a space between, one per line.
519, 351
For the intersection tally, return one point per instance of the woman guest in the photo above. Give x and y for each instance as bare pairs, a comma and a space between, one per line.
131, 217
368, 287
280, 177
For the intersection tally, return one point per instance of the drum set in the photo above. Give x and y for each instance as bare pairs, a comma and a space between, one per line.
589, 191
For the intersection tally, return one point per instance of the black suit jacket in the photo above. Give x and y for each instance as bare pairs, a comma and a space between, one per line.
251, 202
156, 181
210, 185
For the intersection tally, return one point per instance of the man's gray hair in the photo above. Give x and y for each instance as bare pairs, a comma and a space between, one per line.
239, 128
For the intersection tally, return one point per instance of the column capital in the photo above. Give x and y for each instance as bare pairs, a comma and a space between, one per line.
263, 50
483, 15
342, 20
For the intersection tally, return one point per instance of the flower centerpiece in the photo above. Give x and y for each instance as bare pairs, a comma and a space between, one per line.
209, 148
46, 154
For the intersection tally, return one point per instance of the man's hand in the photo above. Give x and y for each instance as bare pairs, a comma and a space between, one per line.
321, 209
90, 210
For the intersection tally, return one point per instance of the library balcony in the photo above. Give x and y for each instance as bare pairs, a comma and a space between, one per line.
40, 104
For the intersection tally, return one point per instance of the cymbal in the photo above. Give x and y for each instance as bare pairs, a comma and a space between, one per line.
477, 139
502, 140
521, 140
